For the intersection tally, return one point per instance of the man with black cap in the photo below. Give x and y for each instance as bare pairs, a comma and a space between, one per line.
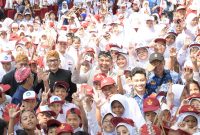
158, 76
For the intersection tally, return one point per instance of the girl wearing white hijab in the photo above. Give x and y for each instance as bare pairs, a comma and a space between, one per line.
121, 106
188, 120
192, 24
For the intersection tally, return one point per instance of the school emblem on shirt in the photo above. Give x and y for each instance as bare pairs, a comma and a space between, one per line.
190, 108
153, 83
149, 102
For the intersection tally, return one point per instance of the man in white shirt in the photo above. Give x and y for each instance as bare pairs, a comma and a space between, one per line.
67, 62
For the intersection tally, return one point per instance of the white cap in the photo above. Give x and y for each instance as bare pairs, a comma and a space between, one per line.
29, 95
151, 18
141, 44
55, 99
7, 22
15, 25
5, 57
62, 39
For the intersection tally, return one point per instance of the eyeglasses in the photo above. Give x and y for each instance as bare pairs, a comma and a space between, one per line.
52, 61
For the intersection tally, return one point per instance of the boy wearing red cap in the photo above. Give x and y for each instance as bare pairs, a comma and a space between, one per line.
52, 125
60, 89
64, 129
151, 106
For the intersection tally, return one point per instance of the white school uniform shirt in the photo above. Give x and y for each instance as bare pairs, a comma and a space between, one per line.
61, 117
67, 62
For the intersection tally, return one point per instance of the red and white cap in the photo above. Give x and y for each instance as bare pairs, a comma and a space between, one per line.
181, 7
45, 109
5, 57
28, 95
55, 99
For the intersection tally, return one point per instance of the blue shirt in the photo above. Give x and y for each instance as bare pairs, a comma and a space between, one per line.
18, 96
140, 100
154, 82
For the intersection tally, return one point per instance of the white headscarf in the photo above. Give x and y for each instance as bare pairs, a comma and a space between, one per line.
132, 130
122, 99
182, 116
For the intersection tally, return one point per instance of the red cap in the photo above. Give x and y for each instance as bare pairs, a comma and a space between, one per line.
160, 39
99, 77
107, 81
75, 110
4, 87
64, 128
144, 130
195, 95
22, 74
6, 112
151, 104
87, 89
188, 108
116, 120
112, 46
53, 122
62, 84
64, 27
90, 50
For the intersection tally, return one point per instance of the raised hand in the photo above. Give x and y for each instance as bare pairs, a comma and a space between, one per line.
45, 95
188, 73
98, 100
187, 42
173, 52
13, 112
77, 100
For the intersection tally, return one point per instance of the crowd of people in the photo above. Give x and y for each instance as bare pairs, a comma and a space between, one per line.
113, 67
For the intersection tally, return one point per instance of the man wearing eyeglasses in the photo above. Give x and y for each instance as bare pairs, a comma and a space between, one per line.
58, 74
